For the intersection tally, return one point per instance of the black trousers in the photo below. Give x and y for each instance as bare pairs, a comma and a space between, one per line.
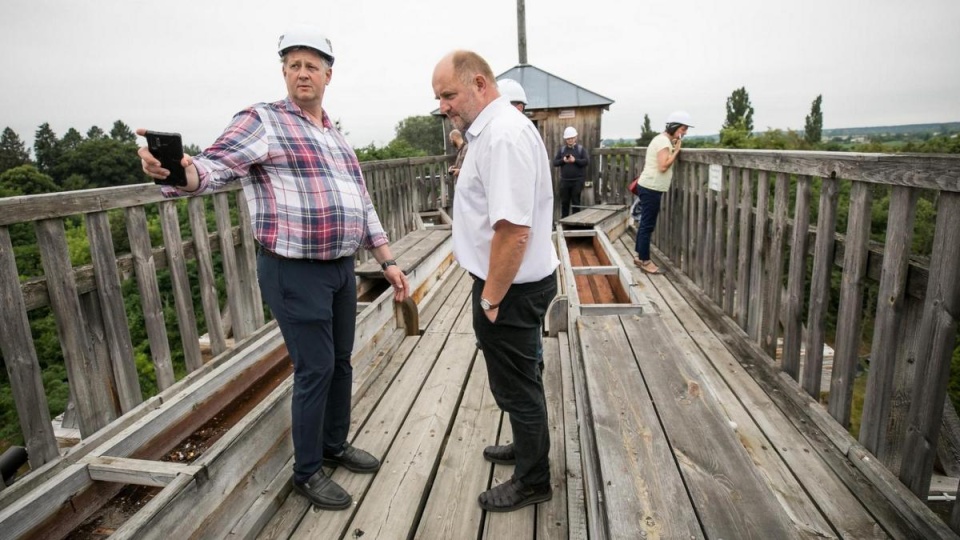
315, 305
510, 348
570, 191
649, 210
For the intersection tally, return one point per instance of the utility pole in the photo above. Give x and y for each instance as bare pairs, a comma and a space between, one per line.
522, 31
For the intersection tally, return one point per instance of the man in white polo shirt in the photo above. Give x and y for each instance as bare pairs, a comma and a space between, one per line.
502, 218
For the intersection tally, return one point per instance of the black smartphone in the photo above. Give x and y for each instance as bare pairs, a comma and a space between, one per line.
168, 148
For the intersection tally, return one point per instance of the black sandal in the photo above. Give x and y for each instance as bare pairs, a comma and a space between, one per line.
513, 495
502, 455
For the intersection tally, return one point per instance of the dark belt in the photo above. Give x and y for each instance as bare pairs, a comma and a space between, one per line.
526, 287
266, 252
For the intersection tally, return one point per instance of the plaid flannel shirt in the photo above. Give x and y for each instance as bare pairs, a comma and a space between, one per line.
307, 196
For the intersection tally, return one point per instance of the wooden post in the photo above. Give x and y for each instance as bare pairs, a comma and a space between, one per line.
883, 353
793, 325
186, 319
761, 258
146, 270
196, 208
741, 306
935, 344
115, 326
769, 330
247, 262
522, 31
730, 264
20, 358
235, 290
820, 285
850, 316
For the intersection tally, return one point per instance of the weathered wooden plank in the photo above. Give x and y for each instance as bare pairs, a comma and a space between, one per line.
718, 247
186, 321
23, 367
207, 509
730, 261
890, 304
700, 254
371, 268
146, 271
643, 490
552, 515
935, 344
820, 285
34, 508
774, 277
850, 315
237, 290
451, 510
130, 530
27, 208
576, 504
716, 468
208, 285
785, 459
247, 264
891, 507
413, 456
793, 325
707, 259
919, 171
114, 314
136, 471
94, 442
760, 261
741, 307
262, 511
90, 376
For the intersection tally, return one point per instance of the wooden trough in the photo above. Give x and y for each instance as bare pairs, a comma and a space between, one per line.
240, 401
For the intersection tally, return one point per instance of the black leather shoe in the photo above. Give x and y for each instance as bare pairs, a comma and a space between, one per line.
514, 495
502, 455
353, 459
324, 492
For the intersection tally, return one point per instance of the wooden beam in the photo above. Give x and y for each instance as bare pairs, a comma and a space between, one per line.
136, 471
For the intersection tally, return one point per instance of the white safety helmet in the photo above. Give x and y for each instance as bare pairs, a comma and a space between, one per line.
680, 117
569, 132
306, 36
512, 90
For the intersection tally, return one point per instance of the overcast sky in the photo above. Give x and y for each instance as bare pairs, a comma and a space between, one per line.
188, 66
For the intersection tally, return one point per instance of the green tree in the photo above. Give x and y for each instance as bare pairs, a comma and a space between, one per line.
422, 133
647, 133
813, 128
70, 140
13, 153
96, 133
46, 148
739, 111
27, 180
398, 148
735, 136
103, 162
122, 132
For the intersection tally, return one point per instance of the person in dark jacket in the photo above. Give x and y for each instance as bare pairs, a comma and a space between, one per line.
572, 158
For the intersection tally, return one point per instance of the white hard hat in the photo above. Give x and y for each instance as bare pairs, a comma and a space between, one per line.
512, 90
569, 132
306, 36
680, 117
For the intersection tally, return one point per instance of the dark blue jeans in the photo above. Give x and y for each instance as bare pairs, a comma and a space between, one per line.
510, 349
649, 210
315, 305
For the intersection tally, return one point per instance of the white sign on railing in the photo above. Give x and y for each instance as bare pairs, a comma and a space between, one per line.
716, 178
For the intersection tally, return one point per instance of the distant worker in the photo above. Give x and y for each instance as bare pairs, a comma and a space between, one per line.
457, 140
572, 158
662, 153
310, 212
512, 90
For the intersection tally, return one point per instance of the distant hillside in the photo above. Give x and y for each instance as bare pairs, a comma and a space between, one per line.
907, 129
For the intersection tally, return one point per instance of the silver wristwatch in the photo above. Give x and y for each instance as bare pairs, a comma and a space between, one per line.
486, 305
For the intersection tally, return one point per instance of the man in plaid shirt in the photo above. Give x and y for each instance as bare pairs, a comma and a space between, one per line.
311, 212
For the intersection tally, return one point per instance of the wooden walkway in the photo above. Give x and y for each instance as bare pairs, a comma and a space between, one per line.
690, 445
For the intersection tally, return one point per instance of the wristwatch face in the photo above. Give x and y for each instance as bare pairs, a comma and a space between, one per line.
485, 304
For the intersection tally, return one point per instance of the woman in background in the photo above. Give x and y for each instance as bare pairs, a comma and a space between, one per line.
662, 153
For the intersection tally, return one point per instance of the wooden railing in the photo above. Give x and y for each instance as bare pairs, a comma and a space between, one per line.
87, 303
777, 276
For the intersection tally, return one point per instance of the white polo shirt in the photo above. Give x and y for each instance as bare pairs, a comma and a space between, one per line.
506, 175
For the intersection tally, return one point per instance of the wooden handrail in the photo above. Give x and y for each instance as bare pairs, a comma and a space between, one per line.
740, 256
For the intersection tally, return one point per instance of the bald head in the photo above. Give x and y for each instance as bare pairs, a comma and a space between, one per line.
464, 84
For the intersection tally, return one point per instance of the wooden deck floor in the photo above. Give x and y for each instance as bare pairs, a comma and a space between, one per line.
690, 445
